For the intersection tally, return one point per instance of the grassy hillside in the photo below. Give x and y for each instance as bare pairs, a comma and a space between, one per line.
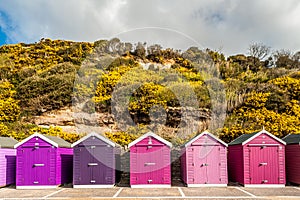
39, 78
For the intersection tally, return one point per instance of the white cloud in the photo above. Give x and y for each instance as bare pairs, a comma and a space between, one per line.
229, 24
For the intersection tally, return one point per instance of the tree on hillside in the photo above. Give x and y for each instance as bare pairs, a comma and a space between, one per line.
259, 50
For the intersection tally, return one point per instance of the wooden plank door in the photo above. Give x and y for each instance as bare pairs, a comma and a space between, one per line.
271, 160
150, 164
85, 157
200, 164
257, 168
157, 165
213, 173
36, 166
264, 165
101, 164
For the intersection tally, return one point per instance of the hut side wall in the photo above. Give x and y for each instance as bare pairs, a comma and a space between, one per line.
64, 165
7, 166
247, 163
236, 163
223, 163
189, 165
293, 163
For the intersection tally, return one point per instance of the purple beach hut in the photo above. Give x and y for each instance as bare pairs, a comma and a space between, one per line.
204, 161
7, 161
257, 160
95, 162
43, 161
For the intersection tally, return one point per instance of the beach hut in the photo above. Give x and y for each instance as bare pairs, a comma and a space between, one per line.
43, 161
204, 161
257, 160
7, 161
292, 158
94, 162
150, 162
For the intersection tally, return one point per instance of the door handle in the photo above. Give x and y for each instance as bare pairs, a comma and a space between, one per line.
149, 181
93, 181
263, 163
39, 165
92, 164
265, 181
148, 164
204, 164
35, 182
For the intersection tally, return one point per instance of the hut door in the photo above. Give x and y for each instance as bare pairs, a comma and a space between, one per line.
213, 173
200, 164
93, 164
207, 166
101, 165
86, 157
150, 164
37, 169
157, 165
264, 165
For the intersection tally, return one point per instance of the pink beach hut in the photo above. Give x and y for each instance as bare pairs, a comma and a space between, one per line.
150, 162
257, 160
7, 161
204, 161
292, 156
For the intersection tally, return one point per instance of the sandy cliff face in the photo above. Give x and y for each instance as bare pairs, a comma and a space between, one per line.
79, 122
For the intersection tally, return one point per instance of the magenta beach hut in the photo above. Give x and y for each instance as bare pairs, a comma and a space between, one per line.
94, 162
150, 162
43, 161
257, 160
7, 161
204, 161
292, 158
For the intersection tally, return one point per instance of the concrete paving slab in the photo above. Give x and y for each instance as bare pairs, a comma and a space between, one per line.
149, 192
85, 192
213, 191
286, 191
13, 193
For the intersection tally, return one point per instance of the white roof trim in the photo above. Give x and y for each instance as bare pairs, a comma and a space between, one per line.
266, 132
36, 134
152, 135
205, 133
104, 139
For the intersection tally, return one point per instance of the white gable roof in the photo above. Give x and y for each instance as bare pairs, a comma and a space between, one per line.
204, 133
266, 132
150, 134
93, 134
36, 135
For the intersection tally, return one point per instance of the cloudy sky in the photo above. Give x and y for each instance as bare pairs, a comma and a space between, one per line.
226, 25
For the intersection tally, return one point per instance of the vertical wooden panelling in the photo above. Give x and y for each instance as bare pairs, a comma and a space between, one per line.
190, 165
64, 165
7, 166
236, 164
293, 163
